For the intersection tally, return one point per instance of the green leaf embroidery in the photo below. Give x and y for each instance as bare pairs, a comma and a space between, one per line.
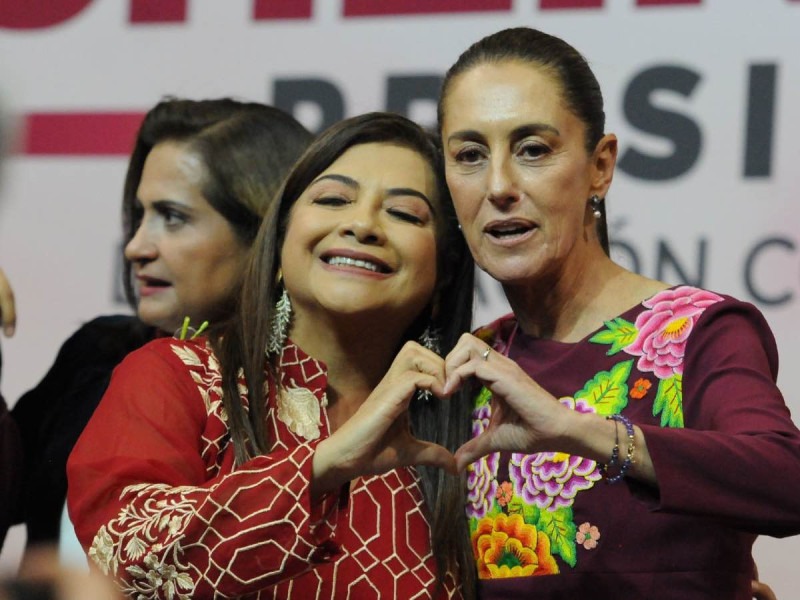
619, 333
669, 401
558, 525
530, 513
607, 391
484, 396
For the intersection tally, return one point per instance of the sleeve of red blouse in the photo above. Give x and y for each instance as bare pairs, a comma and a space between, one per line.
738, 457
147, 512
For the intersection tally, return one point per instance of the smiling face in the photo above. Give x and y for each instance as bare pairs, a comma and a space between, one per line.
361, 239
519, 173
186, 257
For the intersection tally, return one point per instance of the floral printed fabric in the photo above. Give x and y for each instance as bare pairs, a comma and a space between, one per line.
521, 507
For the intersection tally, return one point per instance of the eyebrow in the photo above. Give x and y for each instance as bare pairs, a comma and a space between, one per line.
391, 192
517, 133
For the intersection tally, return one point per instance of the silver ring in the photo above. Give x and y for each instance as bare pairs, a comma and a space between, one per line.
486, 352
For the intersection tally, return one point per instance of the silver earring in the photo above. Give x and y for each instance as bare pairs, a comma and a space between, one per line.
596, 203
432, 340
279, 324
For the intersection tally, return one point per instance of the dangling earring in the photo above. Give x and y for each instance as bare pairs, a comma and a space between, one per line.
279, 324
596, 202
431, 338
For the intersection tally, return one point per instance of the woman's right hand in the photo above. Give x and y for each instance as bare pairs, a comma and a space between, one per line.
8, 313
378, 438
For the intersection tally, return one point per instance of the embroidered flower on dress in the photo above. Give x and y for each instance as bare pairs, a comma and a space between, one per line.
102, 551
553, 479
587, 536
664, 329
506, 546
298, 409
481, 475
640, 388
504, 493
161, 576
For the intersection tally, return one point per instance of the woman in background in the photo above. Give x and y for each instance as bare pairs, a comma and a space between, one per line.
200, 179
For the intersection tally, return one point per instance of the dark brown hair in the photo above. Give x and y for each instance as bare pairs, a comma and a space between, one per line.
246, 148
242, 343
579, 86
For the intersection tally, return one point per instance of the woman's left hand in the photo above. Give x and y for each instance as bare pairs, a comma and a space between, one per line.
525, 417
378, 438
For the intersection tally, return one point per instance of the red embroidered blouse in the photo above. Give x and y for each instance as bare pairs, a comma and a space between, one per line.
158, 502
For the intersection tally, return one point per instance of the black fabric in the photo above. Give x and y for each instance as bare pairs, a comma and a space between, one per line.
52, 415
10, 467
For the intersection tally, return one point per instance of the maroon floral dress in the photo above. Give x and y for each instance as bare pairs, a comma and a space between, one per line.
696, 371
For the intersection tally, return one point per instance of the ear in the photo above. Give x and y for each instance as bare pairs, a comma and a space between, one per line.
604, 160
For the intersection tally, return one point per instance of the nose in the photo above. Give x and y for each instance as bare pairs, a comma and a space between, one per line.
140, 248
502, 188
363, 223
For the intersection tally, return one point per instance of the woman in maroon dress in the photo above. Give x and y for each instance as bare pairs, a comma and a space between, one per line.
599, 376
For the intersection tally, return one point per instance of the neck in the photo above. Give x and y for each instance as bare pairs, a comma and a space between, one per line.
356, 350
569, 304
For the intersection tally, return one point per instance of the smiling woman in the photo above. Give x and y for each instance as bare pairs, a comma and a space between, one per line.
332, 482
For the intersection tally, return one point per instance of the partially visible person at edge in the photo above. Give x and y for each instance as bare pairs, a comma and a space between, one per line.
10, 442
200, 178
629, 438
309, 488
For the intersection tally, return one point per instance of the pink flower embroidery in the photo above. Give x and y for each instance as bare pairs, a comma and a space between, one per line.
664, 329
552, 479
481, 475
587, 536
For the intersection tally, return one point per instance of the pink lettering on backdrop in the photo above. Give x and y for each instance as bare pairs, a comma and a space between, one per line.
666, 2
281, 9
38, 14
158, 11
562, 4
363, 8
80, 133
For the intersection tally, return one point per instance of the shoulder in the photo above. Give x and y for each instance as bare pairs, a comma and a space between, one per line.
177, 353
107, 337
498, 331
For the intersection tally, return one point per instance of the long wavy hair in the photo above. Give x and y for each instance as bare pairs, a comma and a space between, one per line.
241, 344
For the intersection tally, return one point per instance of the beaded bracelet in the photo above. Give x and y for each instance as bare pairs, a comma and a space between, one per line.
626, 464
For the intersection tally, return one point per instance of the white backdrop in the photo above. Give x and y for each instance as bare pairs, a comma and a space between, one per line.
703, 95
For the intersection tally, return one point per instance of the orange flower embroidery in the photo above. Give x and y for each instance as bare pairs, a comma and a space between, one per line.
504, 493
640, 388
506, 546
587, 536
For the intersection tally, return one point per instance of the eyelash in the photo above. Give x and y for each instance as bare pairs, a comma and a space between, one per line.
540, 150
172, 217
331, 201
405, 216
469, 155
